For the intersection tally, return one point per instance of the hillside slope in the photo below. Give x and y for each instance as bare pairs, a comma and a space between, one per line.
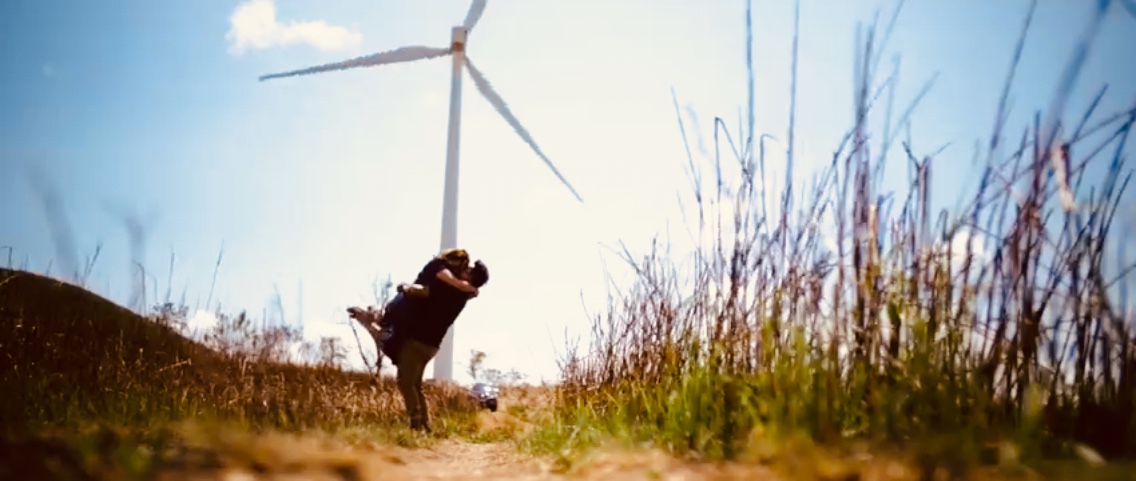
72, 356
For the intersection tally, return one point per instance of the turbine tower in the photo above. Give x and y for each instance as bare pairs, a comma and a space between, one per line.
443, 363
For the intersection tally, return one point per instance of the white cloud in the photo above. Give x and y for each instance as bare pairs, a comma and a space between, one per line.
253, 25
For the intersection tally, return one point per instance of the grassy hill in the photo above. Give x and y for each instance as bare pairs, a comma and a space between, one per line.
72, 357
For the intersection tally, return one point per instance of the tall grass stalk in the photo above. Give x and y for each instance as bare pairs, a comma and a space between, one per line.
997, 319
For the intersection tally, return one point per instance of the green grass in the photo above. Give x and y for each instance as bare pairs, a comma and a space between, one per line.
764, 337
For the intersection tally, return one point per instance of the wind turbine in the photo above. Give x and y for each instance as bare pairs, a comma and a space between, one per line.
443, 363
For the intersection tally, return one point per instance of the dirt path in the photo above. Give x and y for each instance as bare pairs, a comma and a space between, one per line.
459, 460
453, 459
302, 458
449, 459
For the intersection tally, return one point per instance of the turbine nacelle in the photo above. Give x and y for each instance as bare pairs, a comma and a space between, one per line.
458, 38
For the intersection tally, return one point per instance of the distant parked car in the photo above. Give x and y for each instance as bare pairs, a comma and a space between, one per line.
486, 395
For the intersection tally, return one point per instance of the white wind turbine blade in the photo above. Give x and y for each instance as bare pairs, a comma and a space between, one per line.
401, 54
475, 10
499, 104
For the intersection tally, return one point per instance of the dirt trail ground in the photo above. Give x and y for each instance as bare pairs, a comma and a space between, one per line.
500, 461
228, 455
462, 460
310, 459
446, 460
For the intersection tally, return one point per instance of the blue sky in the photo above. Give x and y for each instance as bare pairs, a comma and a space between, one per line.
333, 180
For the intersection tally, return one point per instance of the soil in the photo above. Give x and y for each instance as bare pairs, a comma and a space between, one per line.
295, 459
462, 460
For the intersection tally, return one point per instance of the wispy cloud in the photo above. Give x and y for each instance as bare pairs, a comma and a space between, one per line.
254, 25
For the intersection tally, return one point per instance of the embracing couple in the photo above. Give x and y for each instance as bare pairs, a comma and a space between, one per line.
410, 328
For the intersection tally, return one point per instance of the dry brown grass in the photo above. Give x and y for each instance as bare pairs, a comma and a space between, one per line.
215, 449
72, 358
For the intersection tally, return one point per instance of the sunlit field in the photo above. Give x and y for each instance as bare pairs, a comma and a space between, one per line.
828, 329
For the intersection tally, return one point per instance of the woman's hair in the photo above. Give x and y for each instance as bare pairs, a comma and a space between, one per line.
478, 275
455, 258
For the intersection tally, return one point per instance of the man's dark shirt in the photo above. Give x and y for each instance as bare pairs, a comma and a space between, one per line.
427, 277
432, 316
435, 316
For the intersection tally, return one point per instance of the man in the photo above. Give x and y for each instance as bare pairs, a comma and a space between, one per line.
410, 328
424, 330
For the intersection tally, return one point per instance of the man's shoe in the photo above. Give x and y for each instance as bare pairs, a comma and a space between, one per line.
421, 426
